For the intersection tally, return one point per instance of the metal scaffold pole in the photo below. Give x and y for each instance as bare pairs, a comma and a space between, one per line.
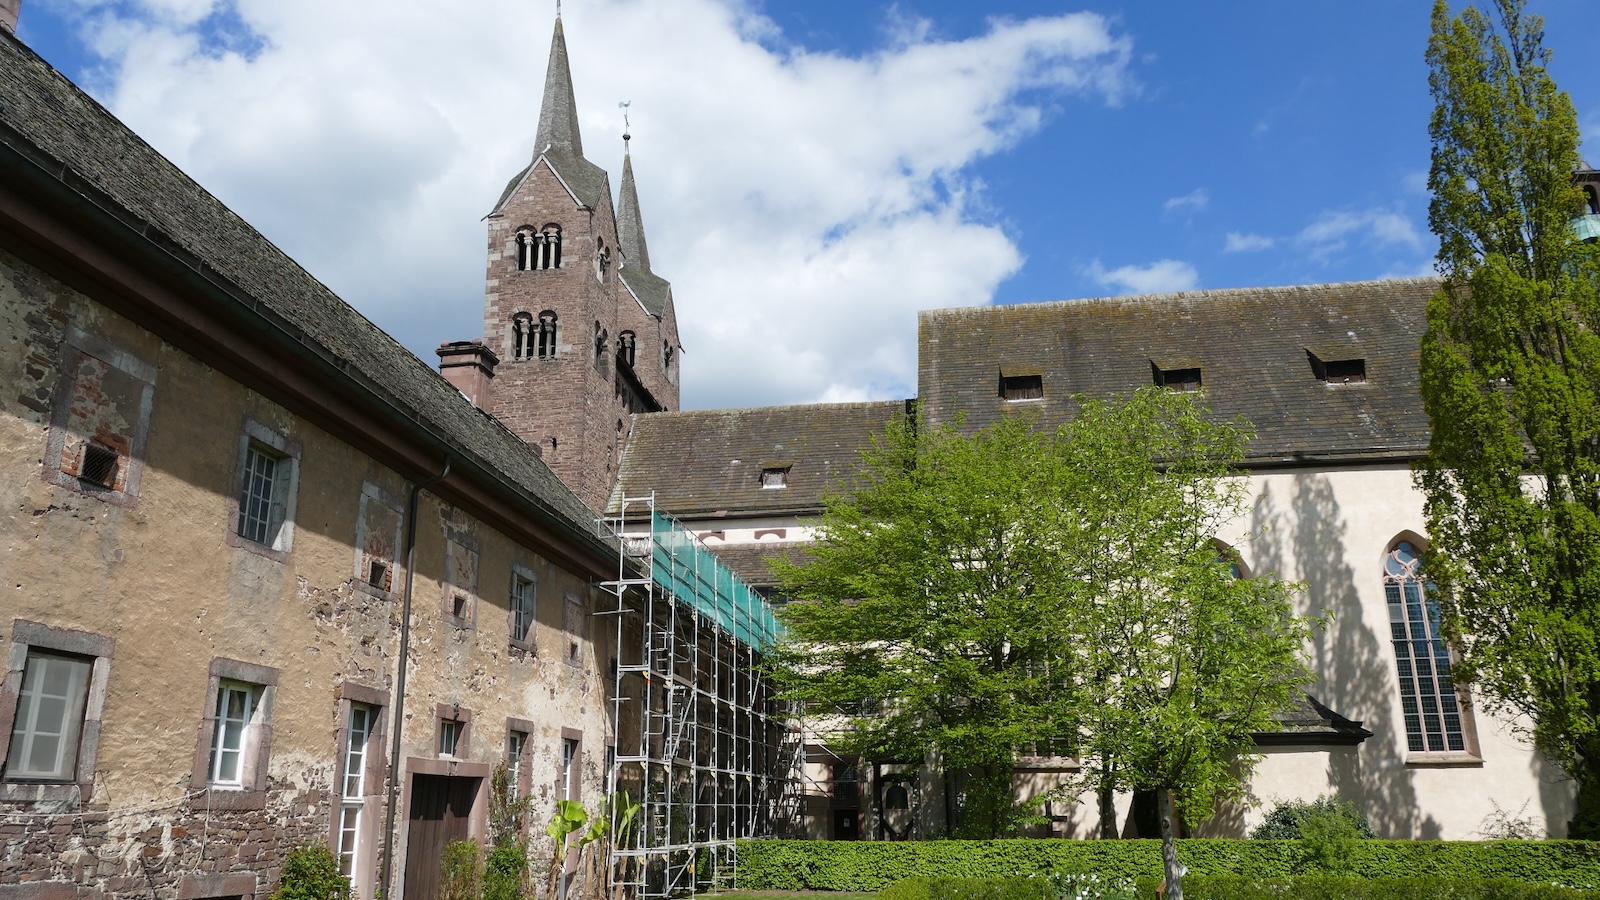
693, 722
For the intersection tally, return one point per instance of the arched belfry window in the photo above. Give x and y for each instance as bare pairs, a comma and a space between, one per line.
545, 339
539, 250
601, 339
626, 348
1428, 700
522, 336
602, 259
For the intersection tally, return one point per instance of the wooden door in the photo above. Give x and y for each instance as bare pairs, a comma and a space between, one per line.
441, 810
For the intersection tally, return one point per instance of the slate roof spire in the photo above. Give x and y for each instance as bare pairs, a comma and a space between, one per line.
630, 224
558, 112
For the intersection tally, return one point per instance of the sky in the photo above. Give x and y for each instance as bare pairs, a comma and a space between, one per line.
813, 173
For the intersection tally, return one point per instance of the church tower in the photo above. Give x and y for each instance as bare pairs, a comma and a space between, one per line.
584, 332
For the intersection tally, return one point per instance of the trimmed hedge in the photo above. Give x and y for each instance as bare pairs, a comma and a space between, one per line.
784, 865
1232, 887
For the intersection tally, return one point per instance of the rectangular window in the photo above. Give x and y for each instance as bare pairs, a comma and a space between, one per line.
257, 519
1185, 379
515, 744
775, 478
449, 736
362, 719
236, 709
1022, 387
569, 769
522, 608
49, 721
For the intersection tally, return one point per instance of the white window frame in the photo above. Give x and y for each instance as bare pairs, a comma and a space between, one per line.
571, 765
363, 720
31, 639
524, 619
249, 791
227, 689
27, 730
258, 442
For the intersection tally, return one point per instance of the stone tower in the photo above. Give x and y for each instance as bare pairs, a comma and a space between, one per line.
584, 331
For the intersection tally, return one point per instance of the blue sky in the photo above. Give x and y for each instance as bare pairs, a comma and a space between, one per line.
811, 173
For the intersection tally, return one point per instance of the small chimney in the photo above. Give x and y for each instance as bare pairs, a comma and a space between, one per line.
468, 365
9, 10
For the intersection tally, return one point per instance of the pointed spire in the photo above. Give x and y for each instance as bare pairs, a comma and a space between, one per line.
630, 225
558, 113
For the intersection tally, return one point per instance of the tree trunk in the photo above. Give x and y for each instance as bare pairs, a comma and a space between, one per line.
1169, 847
1108, 813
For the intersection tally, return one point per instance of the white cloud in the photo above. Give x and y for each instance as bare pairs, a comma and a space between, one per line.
1160, 277
804, 205
1237, 242
1193, 201
1333, 230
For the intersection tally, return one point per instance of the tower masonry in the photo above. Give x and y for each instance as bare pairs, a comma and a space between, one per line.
584, 331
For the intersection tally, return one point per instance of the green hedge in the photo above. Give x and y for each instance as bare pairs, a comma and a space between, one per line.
872, 865
1233, 887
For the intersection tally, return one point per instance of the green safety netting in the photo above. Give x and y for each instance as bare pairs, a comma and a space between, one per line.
689, 572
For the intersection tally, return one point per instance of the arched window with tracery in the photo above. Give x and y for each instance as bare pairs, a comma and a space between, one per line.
1428, 700
545, 341
522, 338
626, 348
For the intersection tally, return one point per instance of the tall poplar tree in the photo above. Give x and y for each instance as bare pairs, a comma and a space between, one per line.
1511, 383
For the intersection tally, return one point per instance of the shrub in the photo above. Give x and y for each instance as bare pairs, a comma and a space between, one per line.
1325, 818
1223, 887
504, 873
460, 871
871, 865
311, 873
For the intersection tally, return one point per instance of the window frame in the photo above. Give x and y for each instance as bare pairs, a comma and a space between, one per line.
77, 347
27, 636
522, 771
569, 768
461, 717
363, 874
1470, 753
458, 542
250, 792
255, 435
528, 641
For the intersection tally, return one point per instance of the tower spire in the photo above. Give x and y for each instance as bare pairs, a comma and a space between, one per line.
558, 112
630, 224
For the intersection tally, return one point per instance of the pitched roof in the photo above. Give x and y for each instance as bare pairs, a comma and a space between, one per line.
749, 561
1308, 721
1257, 349
651, 289
710, 462
50, 130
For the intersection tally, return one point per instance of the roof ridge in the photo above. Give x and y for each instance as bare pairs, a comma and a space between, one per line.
1209, 293
682, 413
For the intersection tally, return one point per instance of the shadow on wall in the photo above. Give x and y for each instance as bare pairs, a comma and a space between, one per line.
1557, 795
1303, 536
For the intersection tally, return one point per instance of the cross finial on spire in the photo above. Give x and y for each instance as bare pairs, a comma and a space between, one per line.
626, 137
558, 9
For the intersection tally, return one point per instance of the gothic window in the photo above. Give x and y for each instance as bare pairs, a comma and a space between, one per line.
626, 349
602, 259
545, 343
1428, 700
538, 250
522, 338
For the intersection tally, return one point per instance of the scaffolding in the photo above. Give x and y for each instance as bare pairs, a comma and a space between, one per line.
699, 743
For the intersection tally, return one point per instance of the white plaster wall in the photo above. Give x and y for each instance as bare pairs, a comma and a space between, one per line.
1331, 528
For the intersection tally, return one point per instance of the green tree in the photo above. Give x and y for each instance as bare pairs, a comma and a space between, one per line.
976, 594
1511, 384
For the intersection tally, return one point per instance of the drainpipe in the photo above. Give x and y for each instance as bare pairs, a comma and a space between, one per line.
398, 718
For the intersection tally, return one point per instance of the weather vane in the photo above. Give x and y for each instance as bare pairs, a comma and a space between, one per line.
623, 105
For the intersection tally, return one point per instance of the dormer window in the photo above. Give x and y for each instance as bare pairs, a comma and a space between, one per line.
1020, 386
626, 349
545, 340
539, 250
775, 476
1178, 377
1334, 372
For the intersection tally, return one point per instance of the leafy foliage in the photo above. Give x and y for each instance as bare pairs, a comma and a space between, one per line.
461, 871
872, 865
1331, 816
311, 873
1511, 383
1224, 887
505, 872
1016, 587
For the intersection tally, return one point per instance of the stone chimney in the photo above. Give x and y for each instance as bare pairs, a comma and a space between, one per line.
9, 9
468, 365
